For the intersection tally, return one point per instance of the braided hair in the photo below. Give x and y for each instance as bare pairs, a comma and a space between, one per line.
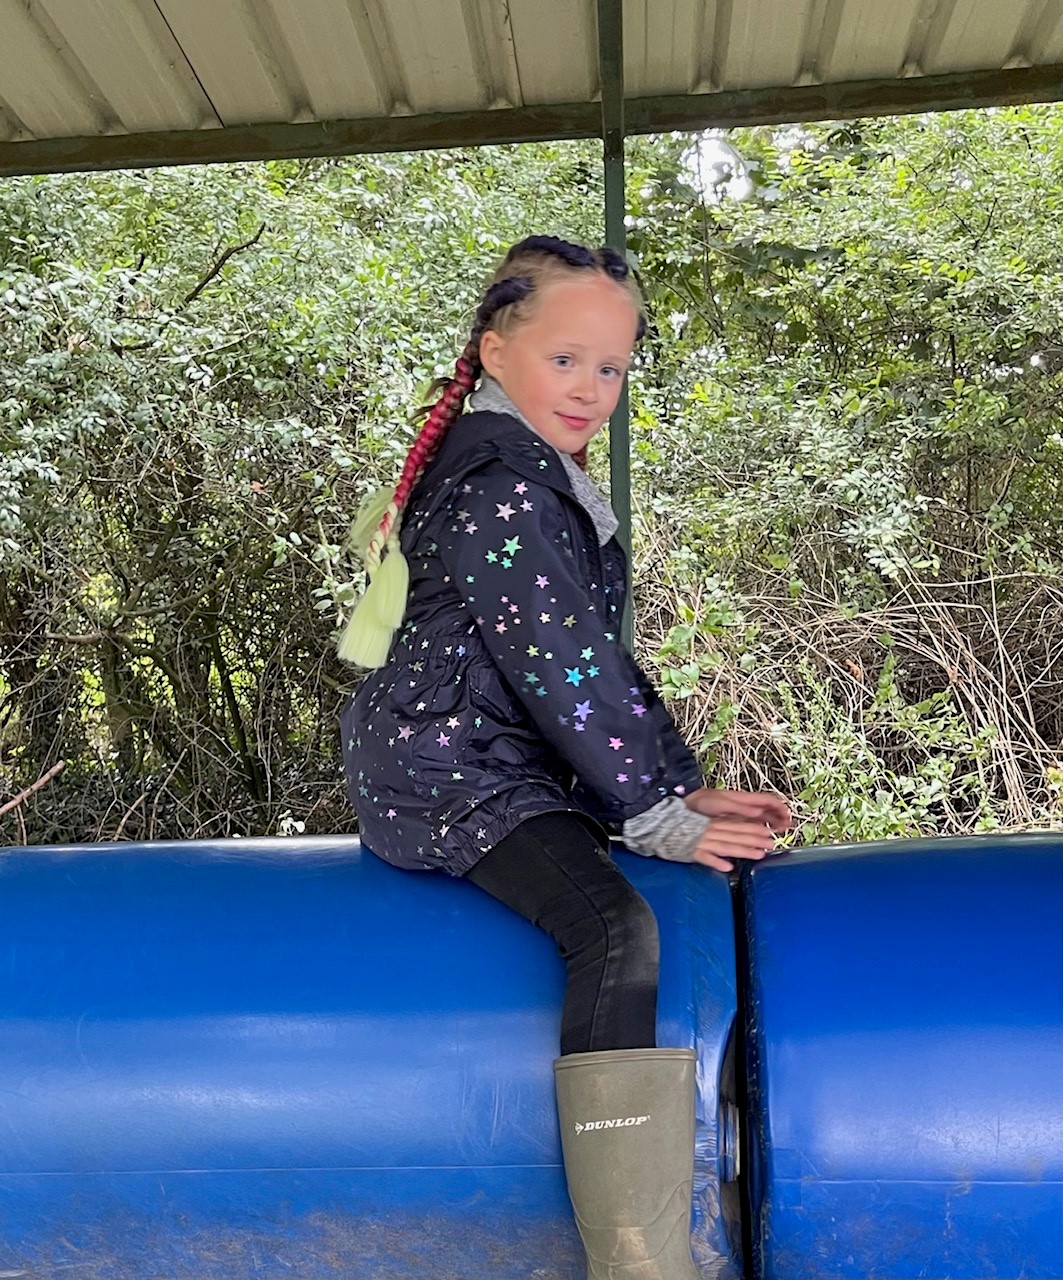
528, 266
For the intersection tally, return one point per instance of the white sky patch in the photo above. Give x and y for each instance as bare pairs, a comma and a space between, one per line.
716, 169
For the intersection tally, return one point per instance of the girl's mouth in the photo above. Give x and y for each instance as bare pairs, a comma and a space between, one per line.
574, 424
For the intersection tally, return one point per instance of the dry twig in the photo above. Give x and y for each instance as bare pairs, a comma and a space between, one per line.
25, 794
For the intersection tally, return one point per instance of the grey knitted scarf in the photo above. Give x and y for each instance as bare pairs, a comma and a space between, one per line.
490, 396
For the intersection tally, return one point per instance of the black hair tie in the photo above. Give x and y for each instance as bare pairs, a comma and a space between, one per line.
613, 263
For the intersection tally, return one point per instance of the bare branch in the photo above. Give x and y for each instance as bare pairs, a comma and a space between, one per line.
25, 794
206, 279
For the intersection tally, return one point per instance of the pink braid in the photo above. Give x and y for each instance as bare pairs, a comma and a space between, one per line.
443, 415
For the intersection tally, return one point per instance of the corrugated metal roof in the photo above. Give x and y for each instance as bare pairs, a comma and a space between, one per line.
99, 83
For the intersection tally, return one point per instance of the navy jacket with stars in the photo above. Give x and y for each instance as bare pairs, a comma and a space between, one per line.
507, 692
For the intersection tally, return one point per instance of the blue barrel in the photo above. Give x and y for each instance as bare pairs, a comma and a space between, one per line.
267, 1058
904, 1060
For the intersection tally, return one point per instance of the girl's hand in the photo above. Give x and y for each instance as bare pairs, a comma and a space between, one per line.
759, 807
729, 838
744, 825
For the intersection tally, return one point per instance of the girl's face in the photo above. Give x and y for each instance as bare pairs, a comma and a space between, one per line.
564, 367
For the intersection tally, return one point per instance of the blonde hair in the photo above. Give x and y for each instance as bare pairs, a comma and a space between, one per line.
527, 270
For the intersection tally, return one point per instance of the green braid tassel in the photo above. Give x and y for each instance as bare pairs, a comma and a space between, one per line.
367, 638
391, 582
367, 521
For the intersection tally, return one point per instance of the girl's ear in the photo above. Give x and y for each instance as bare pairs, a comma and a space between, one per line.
492, 347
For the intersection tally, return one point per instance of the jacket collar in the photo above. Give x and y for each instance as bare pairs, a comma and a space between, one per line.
477, 438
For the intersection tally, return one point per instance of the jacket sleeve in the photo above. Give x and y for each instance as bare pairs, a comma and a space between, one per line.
506, 546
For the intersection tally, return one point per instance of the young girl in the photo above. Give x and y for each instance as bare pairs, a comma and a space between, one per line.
506, 729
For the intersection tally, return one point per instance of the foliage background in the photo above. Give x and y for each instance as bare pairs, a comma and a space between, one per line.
848, 463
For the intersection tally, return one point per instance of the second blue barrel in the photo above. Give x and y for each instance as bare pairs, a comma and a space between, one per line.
904, 1056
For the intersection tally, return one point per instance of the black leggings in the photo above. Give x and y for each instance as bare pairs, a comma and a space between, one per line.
554, 871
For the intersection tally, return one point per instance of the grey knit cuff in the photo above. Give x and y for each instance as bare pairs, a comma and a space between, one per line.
669, 830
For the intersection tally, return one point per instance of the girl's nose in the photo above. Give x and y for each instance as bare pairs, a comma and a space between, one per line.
584, 389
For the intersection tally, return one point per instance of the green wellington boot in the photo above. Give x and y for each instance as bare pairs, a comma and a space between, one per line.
627, 1132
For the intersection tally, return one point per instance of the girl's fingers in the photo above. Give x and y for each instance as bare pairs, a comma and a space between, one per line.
749, 806
728, 839
729, 851
776, 813
738, 835
710, 860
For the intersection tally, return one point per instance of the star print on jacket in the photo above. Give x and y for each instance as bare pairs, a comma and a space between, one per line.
581, 689
507, 692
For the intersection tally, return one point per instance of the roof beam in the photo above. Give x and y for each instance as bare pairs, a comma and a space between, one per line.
536, 124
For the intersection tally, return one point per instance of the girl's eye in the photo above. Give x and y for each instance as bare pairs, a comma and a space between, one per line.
611, 371
562, 362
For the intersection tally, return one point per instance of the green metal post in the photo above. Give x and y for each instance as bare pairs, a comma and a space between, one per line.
611, 68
